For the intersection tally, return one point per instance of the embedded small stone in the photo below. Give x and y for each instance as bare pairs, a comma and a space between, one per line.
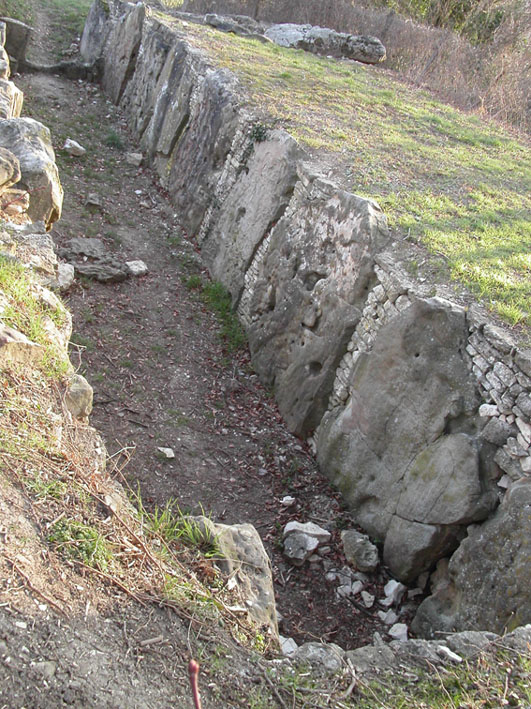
359, 550
167, 453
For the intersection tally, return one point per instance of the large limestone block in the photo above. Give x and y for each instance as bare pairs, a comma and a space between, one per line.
403, 449
122, 45
31, 143
96, 31
321, 40
17, 38
443, 486
201, 142
15, 348
141, 92
245, 560
489, 574
305, 302
171, 110
257, 199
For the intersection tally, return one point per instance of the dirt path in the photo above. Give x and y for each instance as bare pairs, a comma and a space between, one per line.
162, 376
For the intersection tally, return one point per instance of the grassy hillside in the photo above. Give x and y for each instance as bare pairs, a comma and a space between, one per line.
455, 183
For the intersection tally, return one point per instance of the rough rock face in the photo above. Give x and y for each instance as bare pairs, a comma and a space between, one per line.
16, 41
321, 40
489, 575
9, 169
10, 96
122, 52
264, 185
245, 560
30, 141
402, 450
305, 299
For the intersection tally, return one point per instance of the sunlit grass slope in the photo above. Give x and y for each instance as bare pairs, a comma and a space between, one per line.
456, 183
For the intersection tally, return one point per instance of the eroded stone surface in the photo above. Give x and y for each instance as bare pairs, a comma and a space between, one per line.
321, 40
31, 143
489, 575
305, 300
385, 448
256, 201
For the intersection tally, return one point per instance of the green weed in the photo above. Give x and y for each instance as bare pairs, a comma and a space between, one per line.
82, 542
218, 299
29, 313
172, 524
113, 140
193, 282
47, 488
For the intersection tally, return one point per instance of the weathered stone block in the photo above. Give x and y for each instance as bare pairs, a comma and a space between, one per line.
319, 256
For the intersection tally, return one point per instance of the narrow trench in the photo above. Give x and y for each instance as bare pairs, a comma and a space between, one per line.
162, 376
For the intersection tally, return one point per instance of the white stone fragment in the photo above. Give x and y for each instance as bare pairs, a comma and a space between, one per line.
287, 501
525, 430
504, 482
134, 159
356, 588
308, 528
394, 591
74, 148
166, 452
398, 632
137, 268
368, 599
287, 645
388, 617
488, 410
446, 653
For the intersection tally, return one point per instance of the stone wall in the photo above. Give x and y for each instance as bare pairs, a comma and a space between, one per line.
419, 408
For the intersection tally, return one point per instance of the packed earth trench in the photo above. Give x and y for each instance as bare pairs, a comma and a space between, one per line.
185, 420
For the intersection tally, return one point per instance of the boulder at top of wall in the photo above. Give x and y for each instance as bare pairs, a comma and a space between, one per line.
403, 450
31, 143
489, 574
256, 201
309, 288
321, 40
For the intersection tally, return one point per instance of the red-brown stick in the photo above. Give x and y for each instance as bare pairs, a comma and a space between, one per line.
193, 672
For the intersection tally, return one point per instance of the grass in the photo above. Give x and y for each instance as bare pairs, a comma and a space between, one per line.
456, 184
17, 9
113, 140
172, 524
82, 542
491, 680
218, 299
29, 313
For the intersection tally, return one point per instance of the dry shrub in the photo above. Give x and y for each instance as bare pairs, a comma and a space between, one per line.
492, 78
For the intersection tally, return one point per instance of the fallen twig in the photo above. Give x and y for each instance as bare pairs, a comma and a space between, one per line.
48, 600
